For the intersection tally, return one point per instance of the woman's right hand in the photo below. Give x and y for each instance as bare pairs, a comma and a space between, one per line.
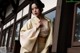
36, 21
37, 25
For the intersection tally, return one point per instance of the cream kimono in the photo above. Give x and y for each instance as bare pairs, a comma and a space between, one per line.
29, 34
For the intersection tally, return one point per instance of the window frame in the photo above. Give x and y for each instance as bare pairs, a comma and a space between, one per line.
74, 43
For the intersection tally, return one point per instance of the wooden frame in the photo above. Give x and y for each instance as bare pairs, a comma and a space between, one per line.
76, 43
3, 40
56, 26
9, 35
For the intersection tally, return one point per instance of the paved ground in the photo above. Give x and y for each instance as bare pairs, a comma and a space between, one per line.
3, 50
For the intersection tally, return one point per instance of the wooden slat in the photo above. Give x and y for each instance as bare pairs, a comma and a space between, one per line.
74, 50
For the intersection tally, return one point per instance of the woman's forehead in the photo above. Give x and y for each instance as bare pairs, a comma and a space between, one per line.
33, 5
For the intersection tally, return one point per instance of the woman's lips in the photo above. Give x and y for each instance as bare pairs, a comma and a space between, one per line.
35, 13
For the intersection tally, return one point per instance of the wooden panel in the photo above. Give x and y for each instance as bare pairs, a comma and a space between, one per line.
74, 50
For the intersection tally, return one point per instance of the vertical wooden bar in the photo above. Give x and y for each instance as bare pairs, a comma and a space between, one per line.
13, 32
56, 26
1, 34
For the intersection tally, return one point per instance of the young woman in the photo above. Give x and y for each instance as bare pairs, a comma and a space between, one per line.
36, 34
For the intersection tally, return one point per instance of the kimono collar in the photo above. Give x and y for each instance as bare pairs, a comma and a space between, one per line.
34, 18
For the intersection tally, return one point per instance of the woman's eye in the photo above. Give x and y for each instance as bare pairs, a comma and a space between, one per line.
36, 8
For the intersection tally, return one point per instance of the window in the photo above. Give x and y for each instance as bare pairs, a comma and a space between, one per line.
10, 39
12, 21
3, 38
8, 24
51, 15
25, 10
49, 4
19, 15
17, 31
77, 24
4, 26
24, 21
6, 37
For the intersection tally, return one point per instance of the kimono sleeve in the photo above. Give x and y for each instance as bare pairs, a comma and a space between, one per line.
28, 36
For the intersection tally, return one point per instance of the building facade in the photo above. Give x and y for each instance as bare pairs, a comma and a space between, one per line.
63, 13
14, 16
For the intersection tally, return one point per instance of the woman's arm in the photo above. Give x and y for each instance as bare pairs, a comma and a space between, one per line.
28, 35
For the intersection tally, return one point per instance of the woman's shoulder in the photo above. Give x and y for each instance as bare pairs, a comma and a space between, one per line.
48, 19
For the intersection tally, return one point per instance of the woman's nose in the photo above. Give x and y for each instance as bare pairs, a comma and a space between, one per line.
34, 10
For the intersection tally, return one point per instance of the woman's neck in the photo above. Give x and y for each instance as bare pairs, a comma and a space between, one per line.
41, 16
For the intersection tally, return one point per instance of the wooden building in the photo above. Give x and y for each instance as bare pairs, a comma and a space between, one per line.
65, 17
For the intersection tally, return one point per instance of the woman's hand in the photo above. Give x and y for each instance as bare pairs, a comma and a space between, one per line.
38, 25
36, 22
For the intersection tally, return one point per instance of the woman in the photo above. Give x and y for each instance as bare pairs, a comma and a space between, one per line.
36, 34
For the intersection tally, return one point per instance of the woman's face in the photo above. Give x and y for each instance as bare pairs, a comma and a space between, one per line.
35, 10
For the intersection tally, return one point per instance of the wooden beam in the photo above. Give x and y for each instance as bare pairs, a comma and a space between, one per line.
2, 17
12, 3
17, 2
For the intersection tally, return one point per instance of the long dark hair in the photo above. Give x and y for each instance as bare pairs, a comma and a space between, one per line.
39, 4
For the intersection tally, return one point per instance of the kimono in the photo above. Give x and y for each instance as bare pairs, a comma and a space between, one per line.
29, 34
